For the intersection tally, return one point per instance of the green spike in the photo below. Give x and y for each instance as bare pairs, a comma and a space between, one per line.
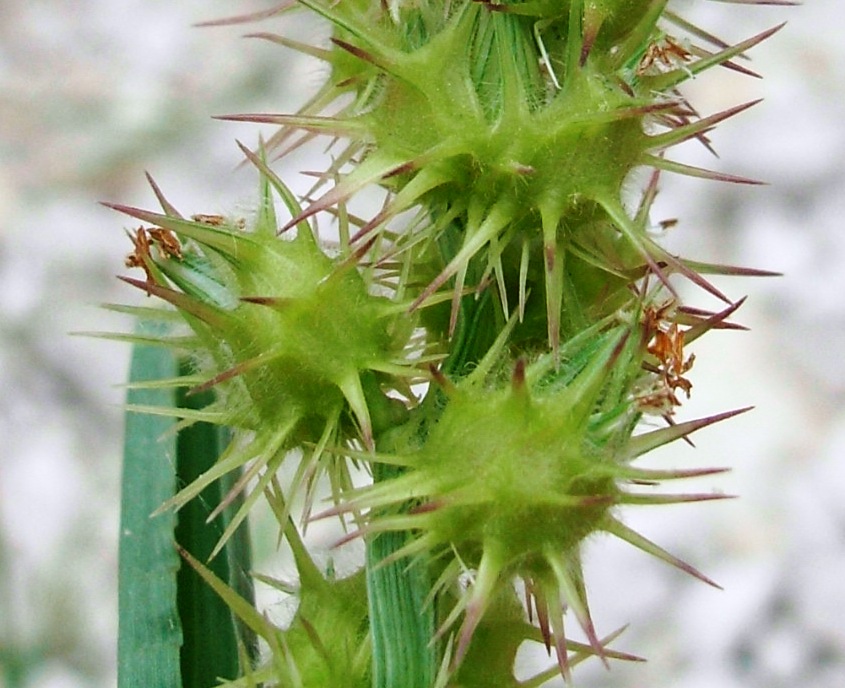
233, 458
187, 304
641, 444
623, 532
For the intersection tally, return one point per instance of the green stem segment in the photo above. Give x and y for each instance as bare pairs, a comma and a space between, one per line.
401, 624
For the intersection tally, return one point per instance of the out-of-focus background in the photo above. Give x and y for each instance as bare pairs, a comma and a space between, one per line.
95, 92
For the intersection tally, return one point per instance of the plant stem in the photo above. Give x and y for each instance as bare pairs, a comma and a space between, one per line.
401, 624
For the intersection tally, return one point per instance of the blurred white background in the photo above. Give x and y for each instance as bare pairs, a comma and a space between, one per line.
95, 92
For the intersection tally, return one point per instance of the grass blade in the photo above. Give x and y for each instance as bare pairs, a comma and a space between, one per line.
149, 631
210, 646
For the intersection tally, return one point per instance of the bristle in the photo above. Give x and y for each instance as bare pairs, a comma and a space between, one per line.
186, 304
577, 602
692, 171
632, 537
644, 443
251, 17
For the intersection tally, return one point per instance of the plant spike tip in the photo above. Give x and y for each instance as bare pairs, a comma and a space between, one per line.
470, 368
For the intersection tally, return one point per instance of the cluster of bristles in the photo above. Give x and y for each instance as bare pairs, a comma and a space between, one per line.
536, 302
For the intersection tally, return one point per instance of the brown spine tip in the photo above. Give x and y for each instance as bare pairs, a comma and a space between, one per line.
518, 376
437, 375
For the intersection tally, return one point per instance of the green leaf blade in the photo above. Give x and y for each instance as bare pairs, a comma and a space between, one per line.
149, 630
210, 648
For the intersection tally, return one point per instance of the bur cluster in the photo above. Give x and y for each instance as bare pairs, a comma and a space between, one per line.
497, 344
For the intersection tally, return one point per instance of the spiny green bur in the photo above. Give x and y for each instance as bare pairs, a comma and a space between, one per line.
279, 316
514, 469
511, 129
518, 122
513, 478
327, 638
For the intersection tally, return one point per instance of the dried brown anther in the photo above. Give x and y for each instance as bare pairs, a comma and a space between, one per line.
145, 237
665, 341
666, 53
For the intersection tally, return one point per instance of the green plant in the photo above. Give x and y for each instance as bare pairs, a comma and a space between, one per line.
510, 270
